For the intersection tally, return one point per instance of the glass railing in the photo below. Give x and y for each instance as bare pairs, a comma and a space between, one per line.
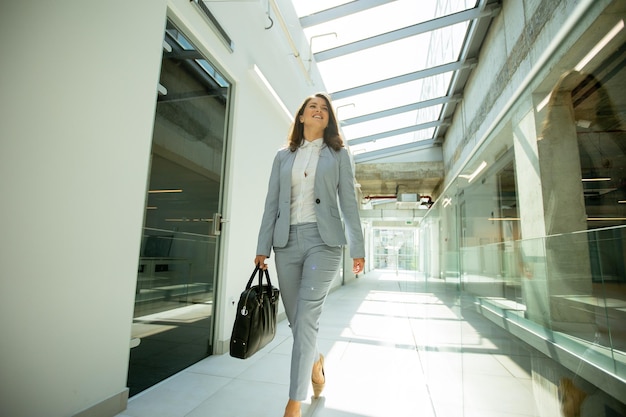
565, 294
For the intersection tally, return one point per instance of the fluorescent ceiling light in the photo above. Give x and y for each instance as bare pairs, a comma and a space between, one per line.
603, 42
474, 174
592, 53
261, 77
164, 191
185, 219
596, 179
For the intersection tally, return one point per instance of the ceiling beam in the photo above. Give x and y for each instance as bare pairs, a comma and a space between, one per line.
340, 11
406, 32
394, 150
401, 109
413, 76
396, 132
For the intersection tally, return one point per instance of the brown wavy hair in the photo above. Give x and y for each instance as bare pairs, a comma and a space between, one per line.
332, 137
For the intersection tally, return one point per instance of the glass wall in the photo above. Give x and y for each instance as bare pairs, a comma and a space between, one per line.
534, 224
173, 318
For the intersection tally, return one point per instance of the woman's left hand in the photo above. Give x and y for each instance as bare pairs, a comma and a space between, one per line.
358, 264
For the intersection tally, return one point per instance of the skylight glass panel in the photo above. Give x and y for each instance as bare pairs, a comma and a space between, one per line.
386, 18
403, 139
397, 121
373, 50
389, 60
394, 96
377, 63
375, 21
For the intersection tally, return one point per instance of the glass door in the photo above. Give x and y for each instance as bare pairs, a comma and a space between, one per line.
173, 318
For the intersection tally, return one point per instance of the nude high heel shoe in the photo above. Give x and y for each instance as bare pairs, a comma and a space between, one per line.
319, 387
293, 409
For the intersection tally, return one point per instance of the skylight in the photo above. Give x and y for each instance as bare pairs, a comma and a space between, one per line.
395, 69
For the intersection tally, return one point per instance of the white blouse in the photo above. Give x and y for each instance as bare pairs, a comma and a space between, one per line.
303, 181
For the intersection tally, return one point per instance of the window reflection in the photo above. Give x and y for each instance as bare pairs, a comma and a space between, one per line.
538, 233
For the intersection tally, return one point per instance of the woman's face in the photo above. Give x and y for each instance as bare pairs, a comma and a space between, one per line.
315, 114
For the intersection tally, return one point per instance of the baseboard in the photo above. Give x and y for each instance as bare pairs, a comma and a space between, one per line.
110, 407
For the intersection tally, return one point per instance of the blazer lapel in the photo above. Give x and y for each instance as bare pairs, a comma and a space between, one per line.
325, 168
285, 176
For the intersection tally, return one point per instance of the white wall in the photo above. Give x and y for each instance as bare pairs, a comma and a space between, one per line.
78, 95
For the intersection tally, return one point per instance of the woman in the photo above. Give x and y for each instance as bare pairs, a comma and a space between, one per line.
301, 222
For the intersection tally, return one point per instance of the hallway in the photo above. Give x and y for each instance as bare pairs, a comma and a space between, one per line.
395, 346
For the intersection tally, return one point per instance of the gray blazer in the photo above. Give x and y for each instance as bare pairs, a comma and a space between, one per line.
333, 178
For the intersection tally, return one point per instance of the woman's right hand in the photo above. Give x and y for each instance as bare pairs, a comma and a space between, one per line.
260, 260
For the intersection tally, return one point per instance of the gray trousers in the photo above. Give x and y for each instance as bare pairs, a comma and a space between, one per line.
306, 267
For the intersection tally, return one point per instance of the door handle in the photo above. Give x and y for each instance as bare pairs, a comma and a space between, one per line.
216, 228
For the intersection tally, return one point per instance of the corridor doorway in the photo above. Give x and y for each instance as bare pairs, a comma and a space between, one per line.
396, 248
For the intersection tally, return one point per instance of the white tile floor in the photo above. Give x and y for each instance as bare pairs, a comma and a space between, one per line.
395, 346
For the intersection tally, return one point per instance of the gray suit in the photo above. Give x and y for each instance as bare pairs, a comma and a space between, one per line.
308, 256
334, 177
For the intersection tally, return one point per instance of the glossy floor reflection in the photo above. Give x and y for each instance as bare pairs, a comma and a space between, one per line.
395, 345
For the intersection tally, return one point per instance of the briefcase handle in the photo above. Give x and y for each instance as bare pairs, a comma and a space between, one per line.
267, 277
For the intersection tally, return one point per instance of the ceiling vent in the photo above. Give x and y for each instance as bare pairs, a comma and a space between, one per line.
407, 198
